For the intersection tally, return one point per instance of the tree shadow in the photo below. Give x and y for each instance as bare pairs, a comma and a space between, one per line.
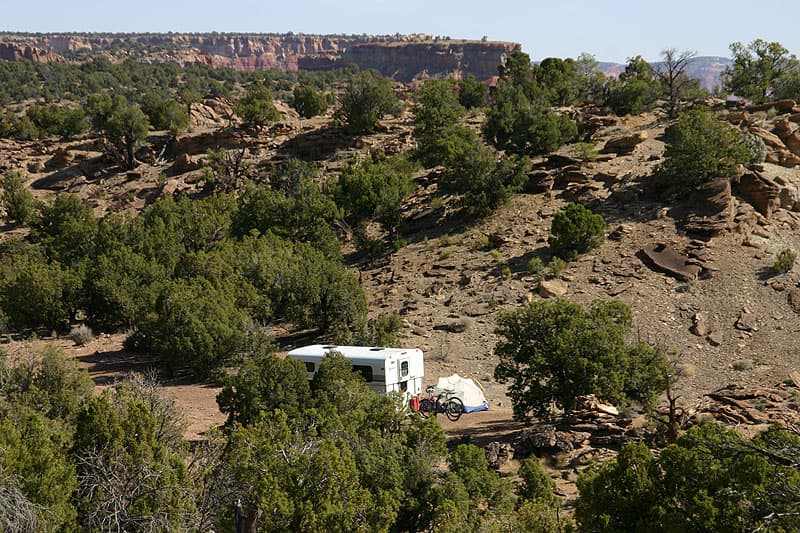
484, 432
766, 273
91, 169
106, 368
318, 144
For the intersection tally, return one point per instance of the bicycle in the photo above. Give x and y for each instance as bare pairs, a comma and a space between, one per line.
451, 406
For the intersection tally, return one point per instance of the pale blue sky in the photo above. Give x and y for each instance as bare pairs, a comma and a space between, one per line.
612, 31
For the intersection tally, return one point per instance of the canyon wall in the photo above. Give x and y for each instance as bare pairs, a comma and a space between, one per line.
401, 57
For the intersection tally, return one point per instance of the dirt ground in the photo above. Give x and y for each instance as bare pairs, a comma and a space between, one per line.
106, 362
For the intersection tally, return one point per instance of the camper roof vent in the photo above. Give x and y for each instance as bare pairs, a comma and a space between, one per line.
376, 349
328, 347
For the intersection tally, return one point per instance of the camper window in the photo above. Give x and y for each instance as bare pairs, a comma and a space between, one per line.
404, 369
309, 367
365, 371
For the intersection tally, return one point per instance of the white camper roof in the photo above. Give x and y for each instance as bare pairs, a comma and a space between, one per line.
353, 353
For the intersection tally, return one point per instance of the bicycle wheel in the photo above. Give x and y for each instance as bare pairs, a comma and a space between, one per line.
426, 408
454, 408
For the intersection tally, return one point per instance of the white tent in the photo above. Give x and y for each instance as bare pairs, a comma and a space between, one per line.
467, 390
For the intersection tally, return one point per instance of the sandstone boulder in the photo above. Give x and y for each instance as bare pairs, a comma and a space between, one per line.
789, 192
665, 258
789, 136
711, 209
769, 138
36, 167
575, 176
625, 144
782, 157
552, 288
785, 106
456, 326
761, 192
200, 143
62, 158
736, 117
539, 182
186, 163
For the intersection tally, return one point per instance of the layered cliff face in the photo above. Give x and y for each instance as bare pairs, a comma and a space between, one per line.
10, 51
406, 61
401, 57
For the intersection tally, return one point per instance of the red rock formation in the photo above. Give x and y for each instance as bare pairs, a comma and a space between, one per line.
402, 57
761, 192
16, 52
404, 61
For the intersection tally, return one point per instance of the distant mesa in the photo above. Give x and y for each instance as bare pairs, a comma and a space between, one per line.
707, 69
401, 57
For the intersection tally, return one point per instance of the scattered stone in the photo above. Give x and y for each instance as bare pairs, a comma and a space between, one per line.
779, 286
477, 309
794, 300
699, 326
552, 288
498, 454
620, 289
457, 326
742, 365
715, 338
545, 437
421, 332
746, 321
620, 231
590, 403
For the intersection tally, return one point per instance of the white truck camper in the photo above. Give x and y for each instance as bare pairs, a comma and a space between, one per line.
384, 369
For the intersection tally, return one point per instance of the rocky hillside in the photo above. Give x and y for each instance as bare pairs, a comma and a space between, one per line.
697, 275
400, 57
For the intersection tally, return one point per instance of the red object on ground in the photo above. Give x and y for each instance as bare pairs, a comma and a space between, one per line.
414, 403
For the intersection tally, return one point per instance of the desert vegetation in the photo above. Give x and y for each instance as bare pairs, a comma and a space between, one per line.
212, 217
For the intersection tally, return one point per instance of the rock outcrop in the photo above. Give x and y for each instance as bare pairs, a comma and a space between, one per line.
738, 405
10, 51
624, 144
789, 136
711, 209
762, 193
